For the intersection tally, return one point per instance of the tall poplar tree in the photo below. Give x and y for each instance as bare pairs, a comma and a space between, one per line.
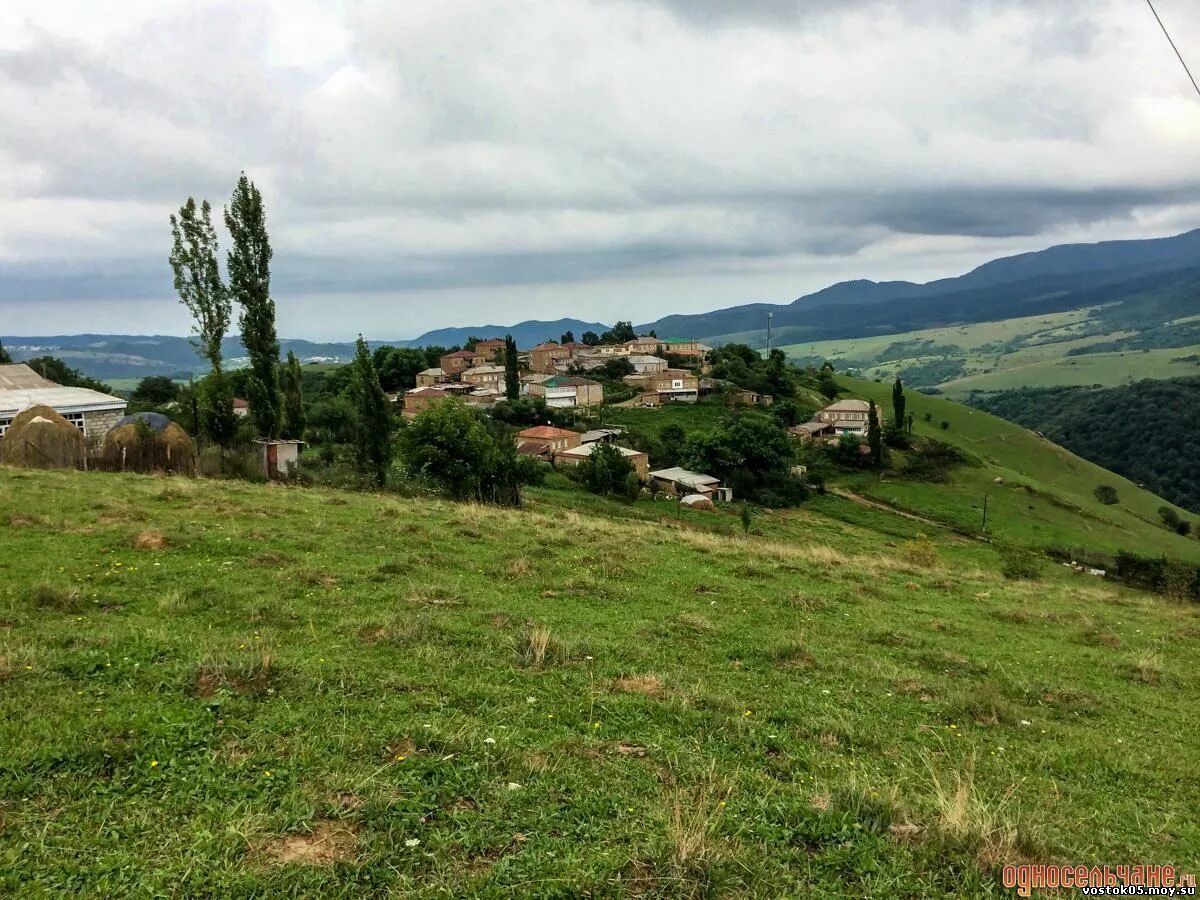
5, 359
373, 424
198, 282
249, 264
512, 377
294, 418
874, 436
899, 404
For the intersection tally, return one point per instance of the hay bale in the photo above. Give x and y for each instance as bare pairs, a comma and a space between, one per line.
148, 442
40, 438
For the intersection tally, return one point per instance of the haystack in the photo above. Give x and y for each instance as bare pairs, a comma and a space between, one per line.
149, 442
697, 501
40, 438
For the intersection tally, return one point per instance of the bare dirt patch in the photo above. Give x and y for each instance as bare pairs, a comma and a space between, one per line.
150, 540
326, 844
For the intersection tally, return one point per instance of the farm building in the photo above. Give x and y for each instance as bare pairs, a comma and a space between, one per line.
681, 482
575, 455
92, 412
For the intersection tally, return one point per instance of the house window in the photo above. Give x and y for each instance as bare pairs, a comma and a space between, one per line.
677, 384
4, 423
75, 419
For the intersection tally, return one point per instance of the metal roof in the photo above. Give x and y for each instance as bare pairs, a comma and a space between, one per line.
586, 450
20, 377
683, 476
61, 399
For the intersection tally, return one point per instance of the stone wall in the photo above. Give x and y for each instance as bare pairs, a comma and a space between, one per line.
97, 424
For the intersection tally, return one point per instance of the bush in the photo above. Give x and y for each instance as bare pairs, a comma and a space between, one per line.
605, 471
1106, 494
1174, 521
921, 552
933, 461
1017, 563
945, 425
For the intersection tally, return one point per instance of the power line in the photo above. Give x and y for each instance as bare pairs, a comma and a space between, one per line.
1173, 47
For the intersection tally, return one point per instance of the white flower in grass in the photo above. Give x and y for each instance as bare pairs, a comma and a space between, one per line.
412, 842
489, 740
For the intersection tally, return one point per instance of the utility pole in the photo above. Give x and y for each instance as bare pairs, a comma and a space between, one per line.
985, 511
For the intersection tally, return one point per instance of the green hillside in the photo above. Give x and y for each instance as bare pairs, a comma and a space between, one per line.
1047, 350
222, 689
1045, 496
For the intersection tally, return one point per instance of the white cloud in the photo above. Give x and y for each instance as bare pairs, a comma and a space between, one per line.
423, 159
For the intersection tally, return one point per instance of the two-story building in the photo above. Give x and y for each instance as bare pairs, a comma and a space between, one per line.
484, 376
849, 416
671, 386
544, 357
547, 440
436, 375
454, 364
566, 391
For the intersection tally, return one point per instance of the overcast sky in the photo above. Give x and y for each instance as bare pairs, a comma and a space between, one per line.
453, 162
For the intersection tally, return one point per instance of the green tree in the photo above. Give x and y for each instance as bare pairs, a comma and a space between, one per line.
197, 278
54, 369
619, 334
155, 390
874, 436
826, 383
512, 376
295, 420
899, 404
397, 367
590, 338
216, 409
449, 445
373, 419
605, 471
5, 359
249, 264
568, 337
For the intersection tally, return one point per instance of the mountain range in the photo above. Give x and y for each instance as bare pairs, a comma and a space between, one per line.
1064, 277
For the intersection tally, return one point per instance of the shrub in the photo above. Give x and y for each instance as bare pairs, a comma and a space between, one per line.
921, 552
933, 460
1174, 521
945, 425
1017, 563
1106, 494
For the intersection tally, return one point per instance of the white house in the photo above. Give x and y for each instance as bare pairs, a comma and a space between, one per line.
90, 411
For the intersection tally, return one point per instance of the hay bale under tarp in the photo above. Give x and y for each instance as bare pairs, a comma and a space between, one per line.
149, 442
39, 438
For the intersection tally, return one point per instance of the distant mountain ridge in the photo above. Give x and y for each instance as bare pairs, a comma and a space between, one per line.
841, 310
1059, 278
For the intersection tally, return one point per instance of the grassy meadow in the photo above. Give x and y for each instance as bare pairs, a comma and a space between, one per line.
214, 689
1045, 494
1027, 351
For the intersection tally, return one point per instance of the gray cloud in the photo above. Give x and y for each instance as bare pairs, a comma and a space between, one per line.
655, 150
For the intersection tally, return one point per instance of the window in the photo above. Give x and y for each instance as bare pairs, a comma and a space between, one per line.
75, 419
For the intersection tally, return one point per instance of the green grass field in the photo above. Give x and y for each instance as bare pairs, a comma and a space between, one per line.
1029, 351
1045, 496
222, 689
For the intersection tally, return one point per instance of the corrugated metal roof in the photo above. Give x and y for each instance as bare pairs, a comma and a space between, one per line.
61, 399
19, 377
683, 476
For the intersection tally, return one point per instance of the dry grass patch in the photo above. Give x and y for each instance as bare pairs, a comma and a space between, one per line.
649, 685
693, 821
537, 647
255, 675
150, 540
518, 567
326, 844
433, 595
981, 827
1147, 667
986, 704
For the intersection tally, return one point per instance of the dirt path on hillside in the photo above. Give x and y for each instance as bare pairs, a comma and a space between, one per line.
884, 507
